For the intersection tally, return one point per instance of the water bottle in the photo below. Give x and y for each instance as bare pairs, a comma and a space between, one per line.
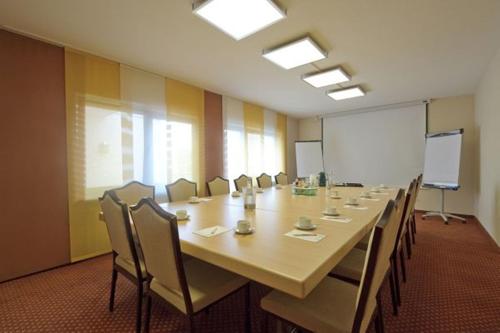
249, 196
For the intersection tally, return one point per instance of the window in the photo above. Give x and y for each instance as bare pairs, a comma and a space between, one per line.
120, 147
251, 141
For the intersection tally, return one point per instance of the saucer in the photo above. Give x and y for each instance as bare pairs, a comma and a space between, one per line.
312, 227
330, 214
248, 232
184, 218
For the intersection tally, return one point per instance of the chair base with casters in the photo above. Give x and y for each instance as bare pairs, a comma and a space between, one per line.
441, 213
444, 216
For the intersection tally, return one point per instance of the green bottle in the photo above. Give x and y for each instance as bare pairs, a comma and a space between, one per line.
322, 179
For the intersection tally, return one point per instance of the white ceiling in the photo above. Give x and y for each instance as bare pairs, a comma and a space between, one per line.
398, 50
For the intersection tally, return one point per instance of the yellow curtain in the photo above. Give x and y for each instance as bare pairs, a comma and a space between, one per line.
90, 81
185, 104
253, 120
281, 140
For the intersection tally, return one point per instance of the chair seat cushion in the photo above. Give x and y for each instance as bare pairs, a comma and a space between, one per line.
330, 307
129, 266
351, 266
207, 284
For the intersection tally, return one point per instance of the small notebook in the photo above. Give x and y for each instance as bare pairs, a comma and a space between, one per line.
211, 231
305, 235
340, 219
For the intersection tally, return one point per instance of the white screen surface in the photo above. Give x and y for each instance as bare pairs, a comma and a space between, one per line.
378, 147
309, 155
442, 160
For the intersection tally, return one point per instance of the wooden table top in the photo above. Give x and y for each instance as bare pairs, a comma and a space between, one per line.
291, 265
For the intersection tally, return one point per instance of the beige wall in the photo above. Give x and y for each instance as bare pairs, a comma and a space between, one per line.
447, 114
309, 129
488, 130
444, 114
292, 133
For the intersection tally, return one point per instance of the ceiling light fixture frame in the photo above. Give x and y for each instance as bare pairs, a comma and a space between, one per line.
199, 4
295, 41
331, 69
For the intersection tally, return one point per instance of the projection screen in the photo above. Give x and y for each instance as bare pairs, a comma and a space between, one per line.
376, 147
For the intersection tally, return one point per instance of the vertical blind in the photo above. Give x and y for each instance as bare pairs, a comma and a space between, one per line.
254, 139
92, 106
125, 124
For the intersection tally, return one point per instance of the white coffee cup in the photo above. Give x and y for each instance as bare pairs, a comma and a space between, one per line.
194, 199
375, 190
352, 201
334, 193
243, 226
236, 194
181, 214
331, 210
382, 186
365, 194
305, 222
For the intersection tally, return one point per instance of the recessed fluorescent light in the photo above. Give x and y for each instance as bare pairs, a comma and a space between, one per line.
300, 52
239, 18
344, 93
327, 77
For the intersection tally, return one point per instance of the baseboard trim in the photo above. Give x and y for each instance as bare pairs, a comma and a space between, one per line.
458, 214
52, 268
491, 239
469, 216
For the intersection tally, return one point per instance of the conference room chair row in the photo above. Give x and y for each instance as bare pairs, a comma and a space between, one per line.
147, 252
183, 189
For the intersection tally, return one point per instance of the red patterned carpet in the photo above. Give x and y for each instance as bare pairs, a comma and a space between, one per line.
453, 286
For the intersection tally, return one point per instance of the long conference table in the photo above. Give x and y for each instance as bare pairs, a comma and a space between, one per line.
291, 265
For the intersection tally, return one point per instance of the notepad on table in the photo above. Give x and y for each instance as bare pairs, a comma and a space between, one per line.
341, 219
211, 231
304, 235
356, 207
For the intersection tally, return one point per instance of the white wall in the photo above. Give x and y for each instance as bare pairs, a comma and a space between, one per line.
292, 133
488, 129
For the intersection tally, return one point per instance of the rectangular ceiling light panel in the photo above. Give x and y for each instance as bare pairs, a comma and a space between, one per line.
346, 93
296, 53
240, 18
327, 77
